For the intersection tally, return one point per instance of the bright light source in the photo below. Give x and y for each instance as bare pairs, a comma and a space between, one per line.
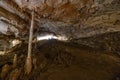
62, 38
47, 37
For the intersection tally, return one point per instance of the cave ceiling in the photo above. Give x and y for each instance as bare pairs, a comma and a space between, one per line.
70, 18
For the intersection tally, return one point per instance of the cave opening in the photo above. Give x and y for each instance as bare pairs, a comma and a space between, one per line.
50, 36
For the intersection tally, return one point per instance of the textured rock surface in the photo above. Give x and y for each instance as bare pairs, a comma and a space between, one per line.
64, 61
105, 42
71, 18
92, 23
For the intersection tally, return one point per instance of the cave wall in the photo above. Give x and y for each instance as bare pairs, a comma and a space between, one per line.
71, 18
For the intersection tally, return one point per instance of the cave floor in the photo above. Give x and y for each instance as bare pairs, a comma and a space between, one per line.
56, 60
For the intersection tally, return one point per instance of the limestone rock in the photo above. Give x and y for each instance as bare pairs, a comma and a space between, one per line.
14, 74
5, 71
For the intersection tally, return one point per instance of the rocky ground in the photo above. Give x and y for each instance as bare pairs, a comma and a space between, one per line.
56, 60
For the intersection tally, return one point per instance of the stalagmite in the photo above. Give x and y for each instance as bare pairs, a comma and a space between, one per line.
28, 65
5, 49
4, 72
15, 60
34, 63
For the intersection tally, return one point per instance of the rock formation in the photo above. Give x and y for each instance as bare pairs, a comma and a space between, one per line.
91, 28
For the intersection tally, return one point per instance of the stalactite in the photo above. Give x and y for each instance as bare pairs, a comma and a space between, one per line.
28, 65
